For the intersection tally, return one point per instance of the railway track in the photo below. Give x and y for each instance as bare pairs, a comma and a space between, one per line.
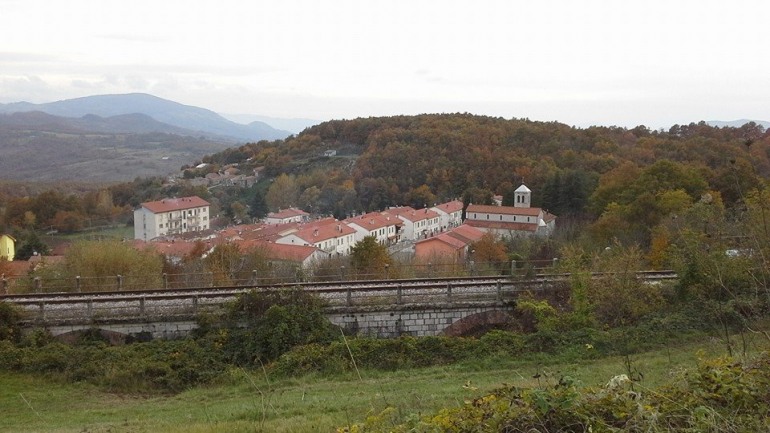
62, 308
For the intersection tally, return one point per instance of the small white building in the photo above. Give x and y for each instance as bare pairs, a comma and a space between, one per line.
171, 216
417, 224
285, 216
450, 214
330, 236
382, 227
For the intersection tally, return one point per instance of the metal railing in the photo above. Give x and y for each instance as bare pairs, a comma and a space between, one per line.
278, 274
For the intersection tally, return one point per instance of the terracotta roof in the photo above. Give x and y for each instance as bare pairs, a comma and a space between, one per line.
15, 268
466, 233
172, 204
445, 238
449, 207
373, 221
287, 213
285, 252
411, 214
168, 249
502, 210
322, 232
502, 225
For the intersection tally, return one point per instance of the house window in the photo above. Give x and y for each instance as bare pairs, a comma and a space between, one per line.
487, 216
501, 217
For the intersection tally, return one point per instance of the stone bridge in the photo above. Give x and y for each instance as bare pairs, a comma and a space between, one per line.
380, 309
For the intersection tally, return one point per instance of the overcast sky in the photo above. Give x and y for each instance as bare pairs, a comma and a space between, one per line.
608, 62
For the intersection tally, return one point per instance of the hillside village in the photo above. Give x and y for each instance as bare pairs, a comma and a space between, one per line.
175, 227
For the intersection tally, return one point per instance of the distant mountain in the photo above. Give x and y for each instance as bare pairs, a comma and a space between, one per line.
122, 124
737, 123
43, 147
199, 120
293, 125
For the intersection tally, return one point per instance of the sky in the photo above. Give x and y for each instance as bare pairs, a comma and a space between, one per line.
594, 62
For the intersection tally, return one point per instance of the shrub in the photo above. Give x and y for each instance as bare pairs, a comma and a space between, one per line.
9, 323
720, 395
261, 326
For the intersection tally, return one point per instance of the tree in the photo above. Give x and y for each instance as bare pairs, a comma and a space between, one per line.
99, 262
421, 197
490, 253
239, 210
282, 194
225, 263
30, 245
370, 259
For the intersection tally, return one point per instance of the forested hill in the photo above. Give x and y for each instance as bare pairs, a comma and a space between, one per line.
421, 159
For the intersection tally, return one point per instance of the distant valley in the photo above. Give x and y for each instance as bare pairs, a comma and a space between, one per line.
111, 138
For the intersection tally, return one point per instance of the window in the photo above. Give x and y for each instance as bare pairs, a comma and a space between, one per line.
501, 217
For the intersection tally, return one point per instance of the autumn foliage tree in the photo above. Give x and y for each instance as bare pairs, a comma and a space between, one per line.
370, 259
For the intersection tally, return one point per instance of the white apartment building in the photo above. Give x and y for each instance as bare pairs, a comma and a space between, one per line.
171, 216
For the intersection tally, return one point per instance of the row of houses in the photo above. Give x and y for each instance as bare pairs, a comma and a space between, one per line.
171, 226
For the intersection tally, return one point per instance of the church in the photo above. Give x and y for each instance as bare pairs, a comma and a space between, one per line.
512, 221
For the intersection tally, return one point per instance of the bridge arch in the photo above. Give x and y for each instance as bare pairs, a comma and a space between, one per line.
479, 323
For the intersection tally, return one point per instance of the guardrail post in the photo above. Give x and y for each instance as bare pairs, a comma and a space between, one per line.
141, 307
77, 283
399, 293
430, 269
90, 308
42, 311
165, 280
38, 284
499, 289
195, 304
120, 282
254, 276
449, 292
513, 268
5, 286
555, 261
349, 297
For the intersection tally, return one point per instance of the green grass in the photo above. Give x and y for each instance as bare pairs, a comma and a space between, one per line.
249, 402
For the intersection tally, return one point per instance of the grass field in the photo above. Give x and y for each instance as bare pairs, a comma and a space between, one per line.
249, 402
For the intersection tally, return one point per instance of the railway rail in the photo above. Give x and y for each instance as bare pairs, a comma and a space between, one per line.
68, 307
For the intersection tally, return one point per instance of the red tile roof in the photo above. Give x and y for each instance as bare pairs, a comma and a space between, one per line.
445, 238
284, 252
173, 204
502, 225
411, 214
373, 221
466, 233
502, 210
322, 232
451, 206
287, 213
15, 268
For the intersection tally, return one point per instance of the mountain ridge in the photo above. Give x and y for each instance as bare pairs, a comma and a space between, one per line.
201, 120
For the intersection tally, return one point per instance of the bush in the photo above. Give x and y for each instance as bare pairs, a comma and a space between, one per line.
261, 326
720, 395
9, 323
